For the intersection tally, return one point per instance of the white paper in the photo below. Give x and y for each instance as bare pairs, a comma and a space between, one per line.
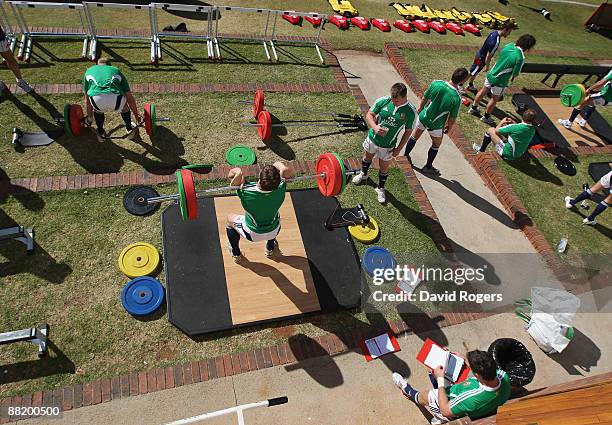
379, 345
437, 356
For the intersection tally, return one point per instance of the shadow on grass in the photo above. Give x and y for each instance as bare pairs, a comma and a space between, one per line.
54, 363
601, 229
532, 167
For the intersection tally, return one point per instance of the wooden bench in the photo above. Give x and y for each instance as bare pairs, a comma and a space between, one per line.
36, 335
559, 70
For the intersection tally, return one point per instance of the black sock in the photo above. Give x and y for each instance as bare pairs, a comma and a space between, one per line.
127, 119
487, 115
586, 194
485, 142
99, 118
410, 145
382, 179
412, 393
601, 207
270, 244
588, 111
234, 239
575, 113
365, 166
431, 155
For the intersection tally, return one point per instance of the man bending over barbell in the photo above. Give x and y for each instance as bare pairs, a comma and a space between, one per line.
106, 90
599, 94
261, 202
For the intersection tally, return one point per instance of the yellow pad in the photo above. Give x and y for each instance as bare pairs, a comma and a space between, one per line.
261, 288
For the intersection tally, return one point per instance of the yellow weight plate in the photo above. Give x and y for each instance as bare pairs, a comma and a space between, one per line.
365, 233
138, 259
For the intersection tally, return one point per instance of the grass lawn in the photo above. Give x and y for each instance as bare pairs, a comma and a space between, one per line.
542, 188
566, 31
72, 281
58, 61
203, 127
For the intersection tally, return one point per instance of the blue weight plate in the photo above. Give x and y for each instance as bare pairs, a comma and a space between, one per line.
142, 296
377, 257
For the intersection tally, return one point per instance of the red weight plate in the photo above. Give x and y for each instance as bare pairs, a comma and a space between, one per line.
331, 184
258, 103
147, 119
264, 119
76, 119
190, 194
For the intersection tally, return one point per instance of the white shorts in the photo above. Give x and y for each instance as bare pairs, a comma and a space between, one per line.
499, 148
605, 181
434, 406
247, 234
598, 99
5, 46
495, 91
433, 133
383, 154
108, 102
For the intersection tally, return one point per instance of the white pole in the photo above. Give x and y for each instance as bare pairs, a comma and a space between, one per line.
237, 409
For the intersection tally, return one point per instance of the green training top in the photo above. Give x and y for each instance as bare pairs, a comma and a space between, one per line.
393, 118
261, 208
519, 136
509, 64
104, 79
606, 92
445, 100
472, 398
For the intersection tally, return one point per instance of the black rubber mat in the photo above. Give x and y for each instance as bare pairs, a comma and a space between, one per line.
599, 169
547, 132
195, 277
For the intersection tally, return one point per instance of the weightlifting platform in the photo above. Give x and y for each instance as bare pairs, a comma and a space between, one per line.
318, 270
549, 109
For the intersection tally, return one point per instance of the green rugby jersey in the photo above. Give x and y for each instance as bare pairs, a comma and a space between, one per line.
475, 400
104, 79
261, 208
509, 65
519, 136
393, 118
445, 100
606, 92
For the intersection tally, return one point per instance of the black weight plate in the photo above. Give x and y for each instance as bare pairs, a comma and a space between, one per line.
135, 200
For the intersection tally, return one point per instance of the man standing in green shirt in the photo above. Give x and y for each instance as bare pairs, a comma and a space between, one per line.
599, 94
261, 202
437, 114
475, 397
106, 90
506, 69
511, 139
386, 118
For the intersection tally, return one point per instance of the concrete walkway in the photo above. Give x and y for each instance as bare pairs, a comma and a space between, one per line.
346, 389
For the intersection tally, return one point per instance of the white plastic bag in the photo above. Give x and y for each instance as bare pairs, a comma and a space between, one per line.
552, 314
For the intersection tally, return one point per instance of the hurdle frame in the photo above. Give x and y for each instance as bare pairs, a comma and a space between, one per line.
27, 36
7, 27
317, 43
93, 48
158, 35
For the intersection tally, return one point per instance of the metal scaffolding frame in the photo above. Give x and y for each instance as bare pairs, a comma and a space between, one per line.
93, 48
317, 43
27, 36
158, 35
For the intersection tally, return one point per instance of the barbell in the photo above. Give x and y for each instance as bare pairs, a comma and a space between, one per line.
259, 105
264, 124
75, 123
330, 173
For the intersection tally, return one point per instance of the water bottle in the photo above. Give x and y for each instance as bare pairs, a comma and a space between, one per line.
562, 245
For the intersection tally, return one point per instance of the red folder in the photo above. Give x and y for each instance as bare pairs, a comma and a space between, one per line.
426, 348
366, 352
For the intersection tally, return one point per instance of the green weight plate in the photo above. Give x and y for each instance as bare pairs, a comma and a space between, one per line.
67, 119
196, 166
343, 171
183, 197
572, 95
240, 155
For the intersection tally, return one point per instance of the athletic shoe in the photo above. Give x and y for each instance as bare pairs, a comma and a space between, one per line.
488, 120
436, 421
2, 86
476, 147
399, 381
133, 133
102, 137
568, 204
358, 178
581, 122
472, 89
270, 253
565, 123
380, 195
474, 111
23, 85
236, 258
589, 222
431, 170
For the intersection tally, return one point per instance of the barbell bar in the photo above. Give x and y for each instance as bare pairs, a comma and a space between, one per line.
264, 125
75, 123
330, 174
259, 105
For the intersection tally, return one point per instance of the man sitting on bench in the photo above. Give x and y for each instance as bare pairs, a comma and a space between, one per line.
599, 94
